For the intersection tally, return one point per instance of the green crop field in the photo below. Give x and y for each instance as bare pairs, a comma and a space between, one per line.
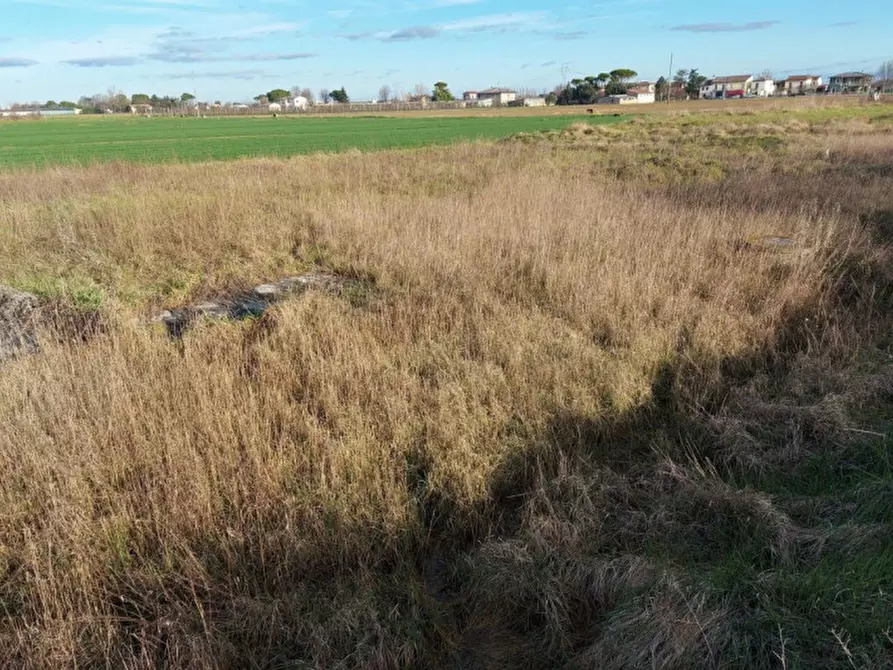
102, 139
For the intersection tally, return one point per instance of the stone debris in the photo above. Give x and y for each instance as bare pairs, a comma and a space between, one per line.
18, 320
778, 242
250, 304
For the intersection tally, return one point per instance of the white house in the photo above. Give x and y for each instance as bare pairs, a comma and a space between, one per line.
764, 87
299, 102
274, 107
737, 85
618, 100
499, 96
800, 84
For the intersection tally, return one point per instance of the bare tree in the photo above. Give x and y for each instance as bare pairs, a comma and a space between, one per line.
384, 93
307, 93
324, 95
420, 91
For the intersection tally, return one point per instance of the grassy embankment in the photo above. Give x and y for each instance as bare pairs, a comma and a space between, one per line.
584, 416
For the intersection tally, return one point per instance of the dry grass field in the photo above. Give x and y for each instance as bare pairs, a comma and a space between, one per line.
614, 397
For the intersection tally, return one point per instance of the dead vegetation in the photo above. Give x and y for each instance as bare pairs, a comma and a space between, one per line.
591, 418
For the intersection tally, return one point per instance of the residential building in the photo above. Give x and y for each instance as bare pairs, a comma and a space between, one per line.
850, 82
642, 87
644, 92
734, 86
499, 96
16, 113
141, 108
642, 97
530, 101
619, 100
764, 87
470, 95
800, 84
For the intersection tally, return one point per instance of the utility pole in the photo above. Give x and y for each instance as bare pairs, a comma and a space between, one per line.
564, 71
670, 81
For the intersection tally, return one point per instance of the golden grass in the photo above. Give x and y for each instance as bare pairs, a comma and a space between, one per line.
274, 491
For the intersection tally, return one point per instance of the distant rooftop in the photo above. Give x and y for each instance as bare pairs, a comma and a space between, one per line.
732, 79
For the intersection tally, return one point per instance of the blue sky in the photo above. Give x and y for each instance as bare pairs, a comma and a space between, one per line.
234, 49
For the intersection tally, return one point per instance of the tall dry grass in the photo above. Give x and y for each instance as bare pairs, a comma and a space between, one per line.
302, 488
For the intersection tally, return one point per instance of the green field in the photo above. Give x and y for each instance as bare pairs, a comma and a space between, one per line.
87, 140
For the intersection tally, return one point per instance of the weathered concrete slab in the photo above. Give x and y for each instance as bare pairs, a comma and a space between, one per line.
18, 321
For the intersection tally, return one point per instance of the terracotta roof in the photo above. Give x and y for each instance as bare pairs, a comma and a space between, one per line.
732, 79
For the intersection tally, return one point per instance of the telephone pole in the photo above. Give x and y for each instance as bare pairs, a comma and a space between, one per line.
670, 80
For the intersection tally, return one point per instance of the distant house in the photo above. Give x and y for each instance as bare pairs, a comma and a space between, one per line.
532, 101
298, 102
479, 102
850, 82
764, 87
800, 84
619, 100
469, 96
499, 96
643, 87
734, 86
141, 108
60, 112
274, 108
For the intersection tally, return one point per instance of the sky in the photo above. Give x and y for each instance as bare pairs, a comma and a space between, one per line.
232, 50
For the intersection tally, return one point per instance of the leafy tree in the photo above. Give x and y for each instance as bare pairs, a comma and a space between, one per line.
618, 81
441, 93
551, 98
694, 83
680, 79
583, 91
51, 104
662, 89
261, 99
119, 102
277, 95
187, 97
623, 75
140, 99
340, 96
67, 104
